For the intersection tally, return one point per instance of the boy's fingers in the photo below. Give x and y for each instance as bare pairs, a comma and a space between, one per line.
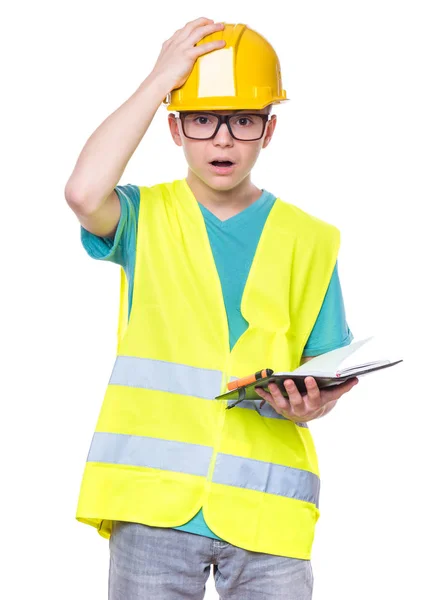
296, 400
201, 32
204, 48
263, 394
313, 393
278, 398
268, 397
191, 25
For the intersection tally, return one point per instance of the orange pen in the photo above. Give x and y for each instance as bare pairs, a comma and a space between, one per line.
233, 385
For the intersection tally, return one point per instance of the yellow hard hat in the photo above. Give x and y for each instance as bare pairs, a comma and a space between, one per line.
245, 73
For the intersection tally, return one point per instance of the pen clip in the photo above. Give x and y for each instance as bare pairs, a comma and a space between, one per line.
241, 397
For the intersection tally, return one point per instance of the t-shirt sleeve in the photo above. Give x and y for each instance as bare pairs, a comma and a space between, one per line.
119, 249
330, 330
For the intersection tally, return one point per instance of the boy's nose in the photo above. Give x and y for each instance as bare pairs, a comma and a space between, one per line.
223, 137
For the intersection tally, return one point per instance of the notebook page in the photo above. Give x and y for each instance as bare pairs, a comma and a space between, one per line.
330, 361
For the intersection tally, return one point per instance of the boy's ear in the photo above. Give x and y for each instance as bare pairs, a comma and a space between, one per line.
174, 128
269, 130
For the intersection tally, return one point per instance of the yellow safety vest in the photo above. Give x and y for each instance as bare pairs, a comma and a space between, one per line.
163, 446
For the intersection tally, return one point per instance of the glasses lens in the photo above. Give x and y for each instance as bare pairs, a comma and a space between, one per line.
244, 126
200, 126
247, 127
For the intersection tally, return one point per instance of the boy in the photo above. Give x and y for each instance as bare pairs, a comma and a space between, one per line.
223, 279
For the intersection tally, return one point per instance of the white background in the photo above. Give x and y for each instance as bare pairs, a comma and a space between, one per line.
352, 147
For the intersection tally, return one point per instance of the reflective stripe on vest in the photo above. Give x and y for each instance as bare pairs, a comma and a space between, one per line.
194, 459
163, 376
166, 377
138, 451
267, 477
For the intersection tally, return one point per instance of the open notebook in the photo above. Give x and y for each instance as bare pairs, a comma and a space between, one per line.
327, 370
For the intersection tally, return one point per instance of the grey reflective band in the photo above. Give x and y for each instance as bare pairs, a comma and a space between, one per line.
166, 377
267, 477
265, 411
155, 453
194, 459
163, 376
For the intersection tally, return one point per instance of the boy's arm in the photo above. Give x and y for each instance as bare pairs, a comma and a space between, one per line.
90, 189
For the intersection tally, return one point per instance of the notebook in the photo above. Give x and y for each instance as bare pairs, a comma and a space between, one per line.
326, 369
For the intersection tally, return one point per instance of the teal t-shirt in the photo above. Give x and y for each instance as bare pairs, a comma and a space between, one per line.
233, 243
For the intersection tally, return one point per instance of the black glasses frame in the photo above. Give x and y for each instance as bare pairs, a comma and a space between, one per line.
222, 119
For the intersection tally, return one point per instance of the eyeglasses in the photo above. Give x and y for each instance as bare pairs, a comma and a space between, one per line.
245, 127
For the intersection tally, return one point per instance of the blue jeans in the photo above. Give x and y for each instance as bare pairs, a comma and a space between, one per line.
167, 564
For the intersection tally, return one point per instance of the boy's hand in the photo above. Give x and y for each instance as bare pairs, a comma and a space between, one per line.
179, 53
303, 408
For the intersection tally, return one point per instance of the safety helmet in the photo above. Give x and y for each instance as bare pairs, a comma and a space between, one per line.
245, 73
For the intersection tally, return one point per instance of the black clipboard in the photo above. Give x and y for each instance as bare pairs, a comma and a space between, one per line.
248, 391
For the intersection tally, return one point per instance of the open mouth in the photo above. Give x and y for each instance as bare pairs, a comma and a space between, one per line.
221, 163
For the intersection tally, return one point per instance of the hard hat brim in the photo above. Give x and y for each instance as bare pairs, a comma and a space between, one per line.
224, 103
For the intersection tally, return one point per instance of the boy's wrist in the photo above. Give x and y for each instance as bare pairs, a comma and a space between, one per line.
158, 84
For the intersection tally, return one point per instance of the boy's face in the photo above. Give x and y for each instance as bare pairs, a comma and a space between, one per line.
204, 155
